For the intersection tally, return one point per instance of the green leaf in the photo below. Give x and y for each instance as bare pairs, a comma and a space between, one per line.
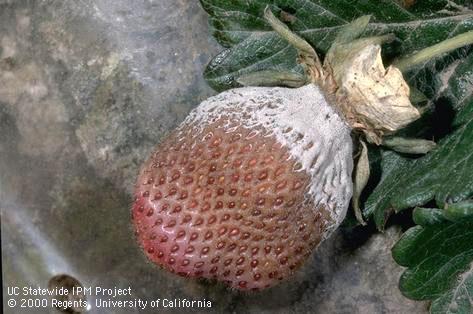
439, 257
376, 204
446, 173
457, 300
427, 216
253, 46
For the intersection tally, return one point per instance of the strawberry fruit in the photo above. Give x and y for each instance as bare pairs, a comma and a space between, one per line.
246, 187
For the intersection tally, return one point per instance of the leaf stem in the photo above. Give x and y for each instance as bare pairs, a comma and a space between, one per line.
426, 54
298, 42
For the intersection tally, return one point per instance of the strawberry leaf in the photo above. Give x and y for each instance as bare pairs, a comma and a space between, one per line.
446, 173
253, 46
439, 257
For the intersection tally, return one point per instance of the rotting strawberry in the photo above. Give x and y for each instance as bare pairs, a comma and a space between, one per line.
256, 177
246, 187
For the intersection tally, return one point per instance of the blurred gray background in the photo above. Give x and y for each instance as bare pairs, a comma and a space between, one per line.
87, 89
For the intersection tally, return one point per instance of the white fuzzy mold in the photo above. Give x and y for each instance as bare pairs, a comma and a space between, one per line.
303, 121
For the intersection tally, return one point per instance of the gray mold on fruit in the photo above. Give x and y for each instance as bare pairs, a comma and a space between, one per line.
302, 120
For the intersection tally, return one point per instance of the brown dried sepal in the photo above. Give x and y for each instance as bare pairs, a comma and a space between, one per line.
374, 100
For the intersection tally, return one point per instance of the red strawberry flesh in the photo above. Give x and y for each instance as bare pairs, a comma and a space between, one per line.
226, 204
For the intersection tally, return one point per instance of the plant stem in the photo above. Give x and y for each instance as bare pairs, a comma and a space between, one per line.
426, 54
298, 42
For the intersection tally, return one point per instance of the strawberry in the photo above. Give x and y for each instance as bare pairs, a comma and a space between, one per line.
246, 187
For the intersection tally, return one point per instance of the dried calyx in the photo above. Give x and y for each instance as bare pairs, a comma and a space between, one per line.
372, 99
